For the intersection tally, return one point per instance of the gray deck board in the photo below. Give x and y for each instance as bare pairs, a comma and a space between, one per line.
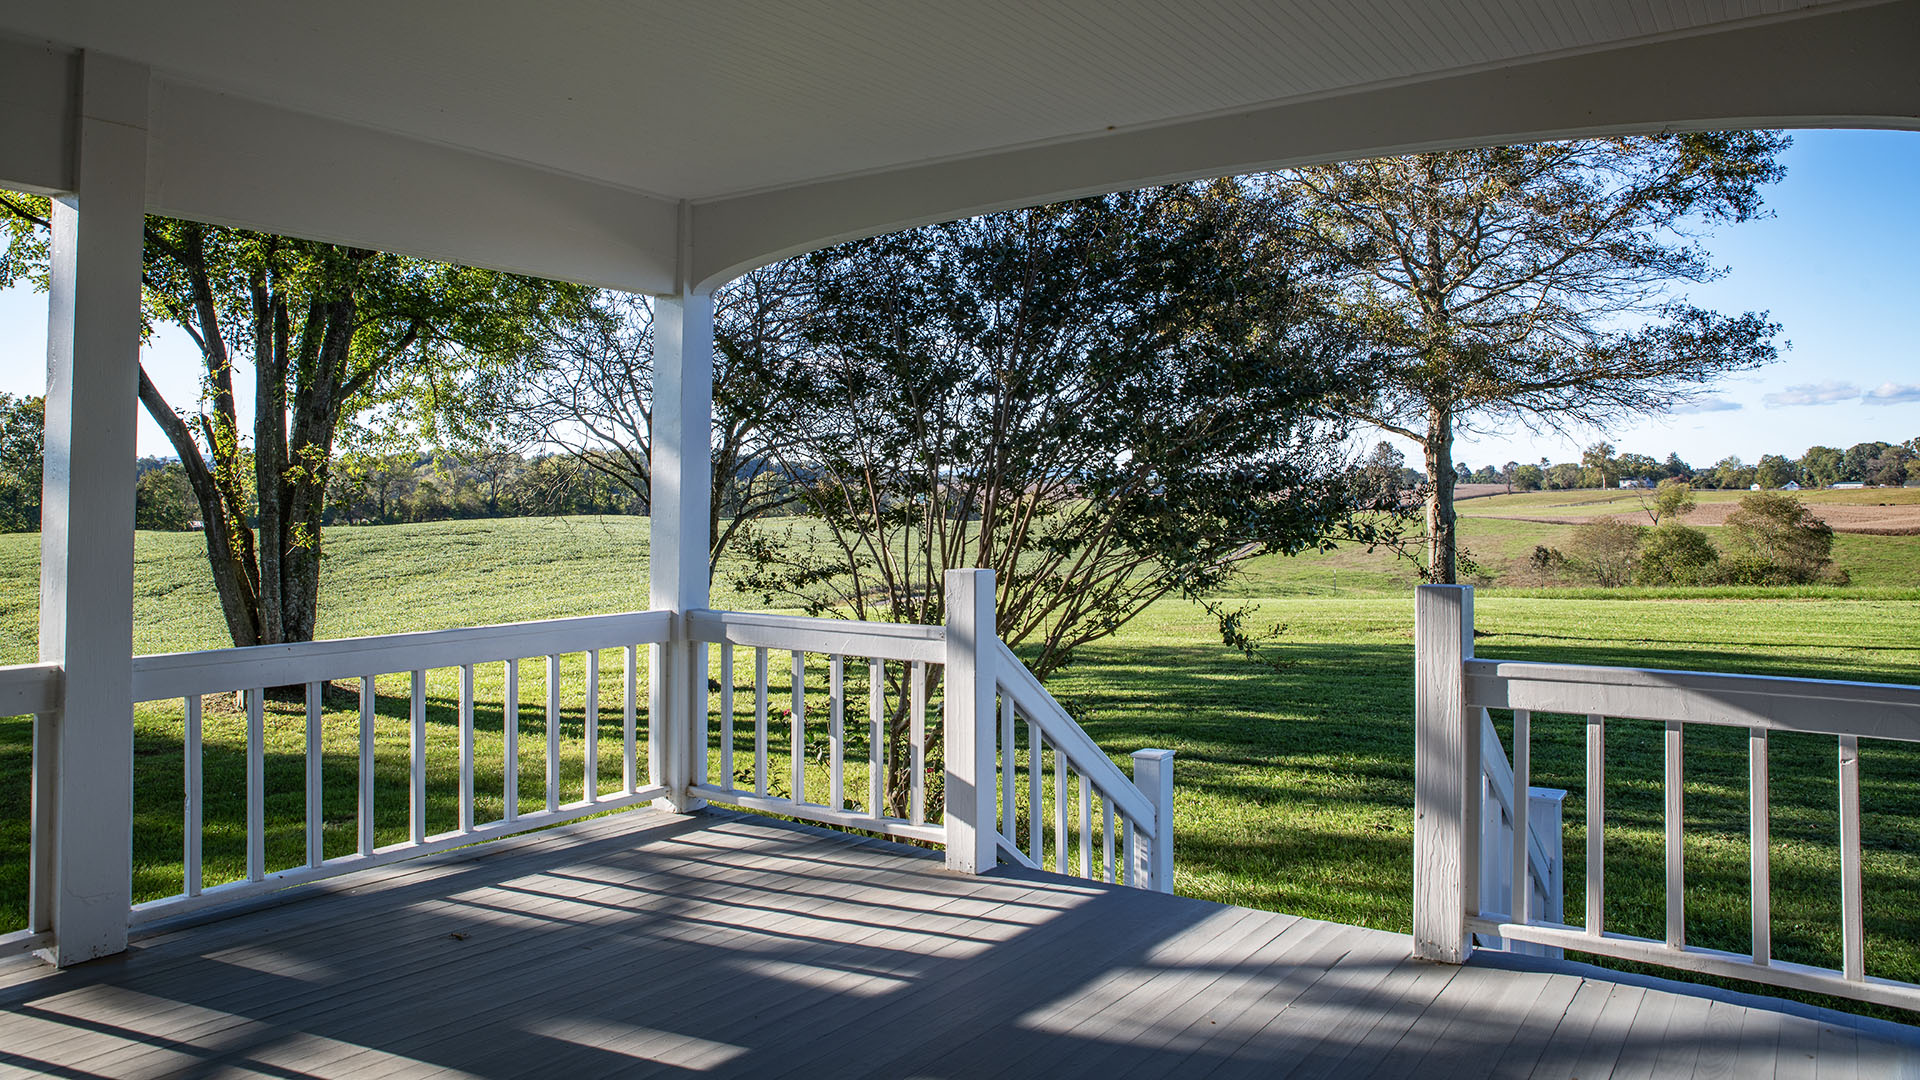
730, 945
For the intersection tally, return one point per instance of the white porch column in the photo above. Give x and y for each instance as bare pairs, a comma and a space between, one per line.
679, 534
86, 530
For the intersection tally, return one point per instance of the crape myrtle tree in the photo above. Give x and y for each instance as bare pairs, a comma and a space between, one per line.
1106, 402
591, 394
330, 333
1535, 282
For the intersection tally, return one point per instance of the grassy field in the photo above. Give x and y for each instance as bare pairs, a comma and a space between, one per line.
1293, 782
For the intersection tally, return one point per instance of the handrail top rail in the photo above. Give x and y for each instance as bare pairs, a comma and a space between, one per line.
803, 633
1782, 703
29, 688
168, 675
1070, 738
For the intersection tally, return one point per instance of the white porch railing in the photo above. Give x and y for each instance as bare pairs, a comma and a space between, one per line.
192, 677
31, 690
898, 666
1453, 689
963, 659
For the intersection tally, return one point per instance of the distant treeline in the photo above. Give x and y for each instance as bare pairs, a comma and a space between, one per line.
1881, 464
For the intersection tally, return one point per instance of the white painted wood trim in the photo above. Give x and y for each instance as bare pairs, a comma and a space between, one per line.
86, 518
1153, 775
968, 721
887, 641
1521, 852
1759, 857
1706, 961
1446, 775
316, 850
1822, 706
836, 731
171, 675
466, 748
1852, 915
364, 810
876, 741
233, 891
193, 766
416, 759
1596, 824
590, 730
760, 705
256, 784
1068, 737
509, 752
629, 719
726, 716
1676, 801
553, 734
29, 688
826, 815
797, 729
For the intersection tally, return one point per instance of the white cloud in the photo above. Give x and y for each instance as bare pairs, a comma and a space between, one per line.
1826, 393
1708, 403
1889, 393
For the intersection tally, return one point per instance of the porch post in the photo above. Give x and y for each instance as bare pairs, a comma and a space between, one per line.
86, 527
681, 497
967, 722
1446, 775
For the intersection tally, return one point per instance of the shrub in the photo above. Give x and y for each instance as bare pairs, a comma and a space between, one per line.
1674, 554
1771, 529
1603, 550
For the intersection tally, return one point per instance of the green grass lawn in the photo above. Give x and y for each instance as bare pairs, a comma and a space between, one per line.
1293, 784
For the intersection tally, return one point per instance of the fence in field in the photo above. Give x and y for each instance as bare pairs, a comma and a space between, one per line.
1453, 691
246, 716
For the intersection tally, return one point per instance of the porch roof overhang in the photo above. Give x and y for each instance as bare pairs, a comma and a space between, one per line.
659, 146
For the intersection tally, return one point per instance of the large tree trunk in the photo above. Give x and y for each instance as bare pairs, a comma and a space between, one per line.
1442, 542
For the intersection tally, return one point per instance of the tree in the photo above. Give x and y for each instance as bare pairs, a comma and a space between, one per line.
23, 424
1672, 499
1857, 464
1783, 540
1637, 467
1599, 463
163, 499
1496, 283
1730, 474
1820, 465
1381, 476
1528, 478
1675, 469
592, 395
1604, 549
1675, 554
1106, 402
1774, 472
331, 333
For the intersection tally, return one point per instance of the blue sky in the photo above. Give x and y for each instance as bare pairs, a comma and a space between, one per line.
1836, 265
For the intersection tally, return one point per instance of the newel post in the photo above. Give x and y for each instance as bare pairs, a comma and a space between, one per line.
1446, 775
1153, 853
972, 686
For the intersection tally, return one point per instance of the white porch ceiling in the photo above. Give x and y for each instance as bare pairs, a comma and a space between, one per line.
793, 123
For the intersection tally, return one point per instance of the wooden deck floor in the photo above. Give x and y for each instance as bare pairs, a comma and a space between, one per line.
720, 944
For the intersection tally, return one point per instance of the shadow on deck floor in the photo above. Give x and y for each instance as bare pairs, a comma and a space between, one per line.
724, 944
